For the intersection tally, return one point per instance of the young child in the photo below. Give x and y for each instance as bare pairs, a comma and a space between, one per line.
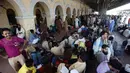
28, 67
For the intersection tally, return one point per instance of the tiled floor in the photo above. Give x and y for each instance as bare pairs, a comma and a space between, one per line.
5, 67
124, 58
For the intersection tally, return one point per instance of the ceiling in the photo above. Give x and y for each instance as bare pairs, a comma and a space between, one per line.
97, 4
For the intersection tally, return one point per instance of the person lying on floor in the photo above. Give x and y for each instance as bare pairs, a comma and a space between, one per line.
113, 65
80, 65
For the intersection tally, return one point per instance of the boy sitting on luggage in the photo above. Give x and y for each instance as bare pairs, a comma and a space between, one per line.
28, 67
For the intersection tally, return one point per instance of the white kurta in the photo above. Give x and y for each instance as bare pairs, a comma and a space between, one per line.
96, 46
57, 50
21, 33
71, 41
77, 23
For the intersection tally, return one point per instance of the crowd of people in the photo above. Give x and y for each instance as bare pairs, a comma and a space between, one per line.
92, 38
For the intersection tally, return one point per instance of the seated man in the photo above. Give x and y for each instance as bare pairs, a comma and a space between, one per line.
102, 55
71, 39
28, 67
80, 65
45, 44
57, 50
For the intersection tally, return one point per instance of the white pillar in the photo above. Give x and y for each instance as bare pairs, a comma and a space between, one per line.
52, 18
48, 20
27, 22
64, 16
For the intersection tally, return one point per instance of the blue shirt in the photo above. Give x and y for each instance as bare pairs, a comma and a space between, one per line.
32, 37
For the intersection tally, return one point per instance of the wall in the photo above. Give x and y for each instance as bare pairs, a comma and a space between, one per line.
3, 16
25, 10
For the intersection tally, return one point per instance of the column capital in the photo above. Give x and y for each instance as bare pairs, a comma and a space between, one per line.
25, 17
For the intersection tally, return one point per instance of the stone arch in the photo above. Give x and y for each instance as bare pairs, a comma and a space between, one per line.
74, 11
59, 11
18, 9
12, 6
42, 2
11, 16
42, 13
68, 11
68, 15
62, 9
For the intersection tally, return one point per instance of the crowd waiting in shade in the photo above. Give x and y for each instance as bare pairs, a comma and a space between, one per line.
86, 38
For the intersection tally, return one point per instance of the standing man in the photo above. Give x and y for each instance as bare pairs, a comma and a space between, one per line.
12, 46
20, 31
112, 24
76, 22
